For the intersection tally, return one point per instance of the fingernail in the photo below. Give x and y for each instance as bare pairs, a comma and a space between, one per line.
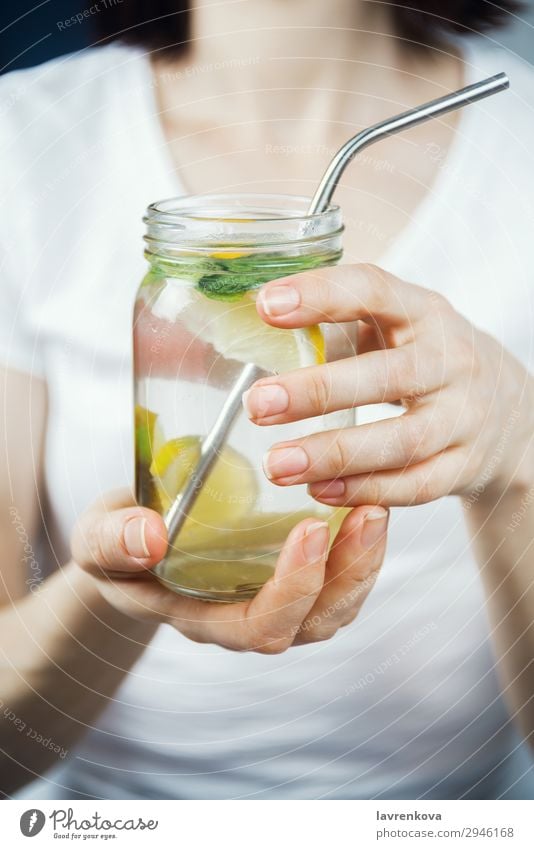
374, 526
263, 401
134, 538
285, 462
333, 489
279, 300
315, 541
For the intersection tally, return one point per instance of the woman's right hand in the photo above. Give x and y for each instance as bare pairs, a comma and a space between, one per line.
311, 595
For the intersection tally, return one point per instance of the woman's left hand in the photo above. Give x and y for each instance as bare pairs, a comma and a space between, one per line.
469, 404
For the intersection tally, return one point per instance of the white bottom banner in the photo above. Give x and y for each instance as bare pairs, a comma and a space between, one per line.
262, 825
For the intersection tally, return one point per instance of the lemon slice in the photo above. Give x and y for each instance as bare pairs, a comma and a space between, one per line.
228, 493
237, 332
227, 254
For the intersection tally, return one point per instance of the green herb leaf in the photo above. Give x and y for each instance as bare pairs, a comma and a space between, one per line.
225, 287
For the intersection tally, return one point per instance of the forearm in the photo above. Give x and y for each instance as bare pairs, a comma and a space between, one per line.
502, 531
63, 652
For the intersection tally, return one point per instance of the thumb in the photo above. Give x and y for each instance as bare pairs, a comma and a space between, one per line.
125, 539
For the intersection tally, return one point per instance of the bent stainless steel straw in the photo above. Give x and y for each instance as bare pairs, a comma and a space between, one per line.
390, 126
216, 438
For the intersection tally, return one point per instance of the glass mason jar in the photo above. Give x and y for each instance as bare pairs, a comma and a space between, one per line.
195, 325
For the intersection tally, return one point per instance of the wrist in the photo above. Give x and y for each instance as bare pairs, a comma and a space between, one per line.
507, 473
515, 475
88, 591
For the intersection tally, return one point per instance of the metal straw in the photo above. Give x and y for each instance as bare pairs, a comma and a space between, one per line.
216, 438
390, 126
182, 504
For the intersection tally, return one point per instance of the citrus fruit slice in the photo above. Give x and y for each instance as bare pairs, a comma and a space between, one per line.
148, 434
229, 491
237, 332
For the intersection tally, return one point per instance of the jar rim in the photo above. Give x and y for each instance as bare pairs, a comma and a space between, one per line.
248, 221
171, 210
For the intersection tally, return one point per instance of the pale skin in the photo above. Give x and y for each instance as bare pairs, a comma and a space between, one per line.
467, 402
65, 649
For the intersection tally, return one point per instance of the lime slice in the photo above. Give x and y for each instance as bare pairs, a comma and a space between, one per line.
148, 434
237, 332
228, 493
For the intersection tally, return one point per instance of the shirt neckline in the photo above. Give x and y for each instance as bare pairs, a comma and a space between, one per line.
153, 128
442, 188
437, 196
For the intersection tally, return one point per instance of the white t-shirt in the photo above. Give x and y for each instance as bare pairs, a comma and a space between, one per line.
404, 703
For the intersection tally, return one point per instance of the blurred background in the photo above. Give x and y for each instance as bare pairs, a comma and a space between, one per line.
32, 31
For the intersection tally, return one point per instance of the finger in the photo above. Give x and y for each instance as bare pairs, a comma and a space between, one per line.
343, 293
118, 538
370, 338
387, 444
431, 479
352, 568
374, 378
113, 500
268, 623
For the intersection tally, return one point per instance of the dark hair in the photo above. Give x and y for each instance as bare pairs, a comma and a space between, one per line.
164, 25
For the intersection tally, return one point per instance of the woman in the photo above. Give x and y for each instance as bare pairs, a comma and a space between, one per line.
427, 694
